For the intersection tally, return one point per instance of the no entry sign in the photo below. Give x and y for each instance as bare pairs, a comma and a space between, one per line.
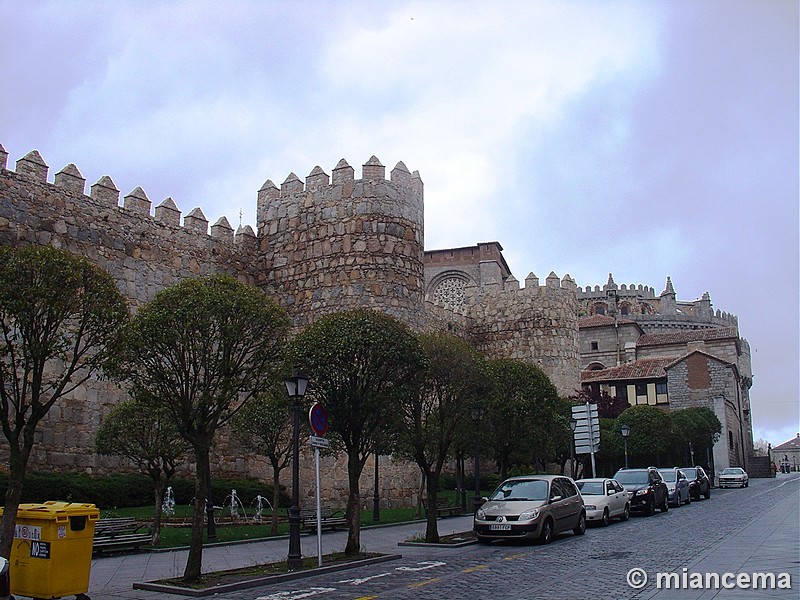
318, 419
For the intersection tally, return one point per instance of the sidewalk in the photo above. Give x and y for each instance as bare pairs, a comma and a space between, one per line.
113, 577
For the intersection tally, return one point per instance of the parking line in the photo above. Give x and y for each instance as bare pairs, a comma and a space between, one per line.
366, 598
475, 568
518, 555
423, 583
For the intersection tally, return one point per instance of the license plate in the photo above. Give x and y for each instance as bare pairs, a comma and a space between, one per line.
500, 527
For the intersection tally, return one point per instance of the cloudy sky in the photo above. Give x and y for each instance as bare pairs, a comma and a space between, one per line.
645, 139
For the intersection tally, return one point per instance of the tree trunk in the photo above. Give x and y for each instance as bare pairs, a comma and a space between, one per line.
159, 498
194, 562
431, 527
16, 478
353, 506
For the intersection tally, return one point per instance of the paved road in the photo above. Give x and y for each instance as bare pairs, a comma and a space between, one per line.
756, 529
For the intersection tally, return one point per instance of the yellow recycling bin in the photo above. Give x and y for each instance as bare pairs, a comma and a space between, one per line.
51, 555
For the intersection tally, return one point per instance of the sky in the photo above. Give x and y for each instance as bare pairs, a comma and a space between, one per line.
643, 139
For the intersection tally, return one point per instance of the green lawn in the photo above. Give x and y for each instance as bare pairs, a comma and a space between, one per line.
172, 537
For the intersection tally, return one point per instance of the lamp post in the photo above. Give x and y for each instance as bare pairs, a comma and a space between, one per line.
625, 431
296, 388
573, 424
477, 416
211, 534
691, 452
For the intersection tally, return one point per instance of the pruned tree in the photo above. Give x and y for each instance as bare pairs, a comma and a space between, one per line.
520, 413
650, 434
60, 317
264, 427
201, 349
698, 426
430, 418
147, 436
362, 365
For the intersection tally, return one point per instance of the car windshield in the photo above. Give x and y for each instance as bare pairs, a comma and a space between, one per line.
591, 488
521, 489
730, 471
669, 475
690, 473
631, 477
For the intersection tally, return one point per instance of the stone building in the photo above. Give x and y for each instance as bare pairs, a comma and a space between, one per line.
671, 354
786, 456
329, 243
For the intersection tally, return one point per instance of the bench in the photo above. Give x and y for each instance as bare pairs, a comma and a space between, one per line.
443, 508
329, 519
118, 534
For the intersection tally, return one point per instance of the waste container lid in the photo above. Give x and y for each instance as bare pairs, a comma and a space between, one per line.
51, 510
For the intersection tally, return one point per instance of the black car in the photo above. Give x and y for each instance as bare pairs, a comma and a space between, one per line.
646, 488
699, 482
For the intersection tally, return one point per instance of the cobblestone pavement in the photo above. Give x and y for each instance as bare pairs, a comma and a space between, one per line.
756, 529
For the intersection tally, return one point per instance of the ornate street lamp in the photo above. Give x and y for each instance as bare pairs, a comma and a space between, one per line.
625, 431
376, 505
477, 417
296, 388
573, 424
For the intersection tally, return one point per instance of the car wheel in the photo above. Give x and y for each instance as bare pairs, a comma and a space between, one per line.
688, 498
581, 528
651, 508
626, 514
665, 506
547, 532
707, 495
746, 484
606, 518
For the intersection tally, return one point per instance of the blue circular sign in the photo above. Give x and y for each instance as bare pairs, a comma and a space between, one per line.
318, 419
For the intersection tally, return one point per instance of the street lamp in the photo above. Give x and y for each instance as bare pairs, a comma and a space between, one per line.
625, 431
573, 424
296, 388
477, 416
691, 452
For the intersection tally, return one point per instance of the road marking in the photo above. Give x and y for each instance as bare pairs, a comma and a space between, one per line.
361, 580
518, 555
423, 583
428, 564
297, 594
475, 568
366, 598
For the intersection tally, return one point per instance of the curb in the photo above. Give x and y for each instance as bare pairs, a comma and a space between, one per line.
260, 581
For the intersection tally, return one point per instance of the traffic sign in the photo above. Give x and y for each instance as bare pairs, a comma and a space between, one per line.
318, 419
319, 442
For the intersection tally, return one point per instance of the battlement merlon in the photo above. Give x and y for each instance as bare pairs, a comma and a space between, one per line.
105, 194
511, 286
403, 190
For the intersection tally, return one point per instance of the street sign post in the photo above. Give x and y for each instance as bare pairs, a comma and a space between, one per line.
318, 419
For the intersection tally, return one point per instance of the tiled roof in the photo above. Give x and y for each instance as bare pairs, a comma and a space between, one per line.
683, 337
645, 368
793, 444
600, 321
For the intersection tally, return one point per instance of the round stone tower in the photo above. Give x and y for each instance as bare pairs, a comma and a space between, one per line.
341, 243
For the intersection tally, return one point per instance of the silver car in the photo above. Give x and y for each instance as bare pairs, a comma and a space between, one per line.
733, 477
531, 507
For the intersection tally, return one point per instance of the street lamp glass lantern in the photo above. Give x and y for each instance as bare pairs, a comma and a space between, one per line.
625, 431
573, 423
296, 384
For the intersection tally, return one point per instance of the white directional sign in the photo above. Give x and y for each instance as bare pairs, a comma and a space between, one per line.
587, 433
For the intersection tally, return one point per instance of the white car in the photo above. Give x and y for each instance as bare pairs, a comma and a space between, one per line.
733, 477
604, 499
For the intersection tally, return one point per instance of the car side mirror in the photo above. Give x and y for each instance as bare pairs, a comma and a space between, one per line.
611, 492
484, 499
555, 498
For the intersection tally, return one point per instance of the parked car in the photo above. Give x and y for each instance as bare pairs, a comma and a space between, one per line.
646, 488
531, 507
677, 486
5, 584
733, 477
604, 499
699, 482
